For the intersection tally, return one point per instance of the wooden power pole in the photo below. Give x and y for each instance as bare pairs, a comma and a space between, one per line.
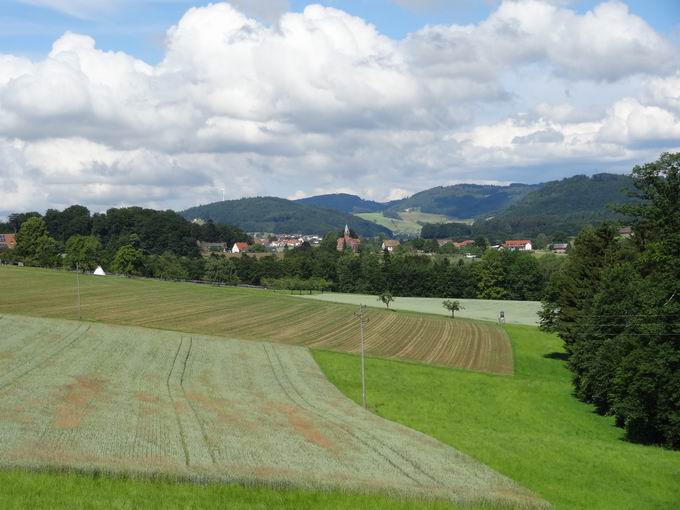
78, 289
361, 315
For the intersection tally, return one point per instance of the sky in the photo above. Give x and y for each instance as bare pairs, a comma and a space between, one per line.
162, 103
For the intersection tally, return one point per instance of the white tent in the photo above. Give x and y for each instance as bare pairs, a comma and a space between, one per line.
99, 271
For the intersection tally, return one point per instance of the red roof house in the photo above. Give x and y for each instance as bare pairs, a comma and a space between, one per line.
239, 247
8, 241
518, 245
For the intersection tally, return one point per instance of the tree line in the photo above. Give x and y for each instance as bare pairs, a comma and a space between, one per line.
496, 275
616, 305
130, 240
161, 244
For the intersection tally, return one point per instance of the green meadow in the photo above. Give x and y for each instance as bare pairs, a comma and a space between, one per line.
20, 490
527, 426
516, 312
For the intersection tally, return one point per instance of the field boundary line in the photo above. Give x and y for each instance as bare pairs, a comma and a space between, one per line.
409, 461
345, 428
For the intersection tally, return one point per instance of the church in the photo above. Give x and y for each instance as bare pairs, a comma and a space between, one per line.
348, 242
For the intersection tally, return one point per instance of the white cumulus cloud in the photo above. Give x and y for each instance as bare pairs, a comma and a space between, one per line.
321, 100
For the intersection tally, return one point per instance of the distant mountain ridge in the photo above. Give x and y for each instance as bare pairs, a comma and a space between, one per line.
558, 209
278, 215
523, 210
463, 201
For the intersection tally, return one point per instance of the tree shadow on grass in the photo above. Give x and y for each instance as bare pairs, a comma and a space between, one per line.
562, 356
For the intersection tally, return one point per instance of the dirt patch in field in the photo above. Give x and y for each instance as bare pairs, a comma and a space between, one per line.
77, 400
274, 472
222, 410
303, 424
146, 397
6, 354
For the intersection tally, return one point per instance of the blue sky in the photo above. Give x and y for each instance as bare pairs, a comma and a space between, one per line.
138, 27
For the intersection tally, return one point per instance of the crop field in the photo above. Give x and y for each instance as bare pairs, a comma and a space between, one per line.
516, 312
89, 396
252, 314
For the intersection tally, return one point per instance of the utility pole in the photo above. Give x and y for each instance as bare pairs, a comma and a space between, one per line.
78, 289
361, 315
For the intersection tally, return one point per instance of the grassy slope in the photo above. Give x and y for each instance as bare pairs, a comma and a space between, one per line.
516, 312
528, 427
410, 223
22, 490
409, 228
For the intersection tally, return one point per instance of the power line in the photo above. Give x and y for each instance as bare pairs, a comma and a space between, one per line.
639, 315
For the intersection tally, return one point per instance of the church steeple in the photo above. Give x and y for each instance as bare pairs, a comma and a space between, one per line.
346, 230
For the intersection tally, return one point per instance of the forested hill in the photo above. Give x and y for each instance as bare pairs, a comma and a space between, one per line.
153, 232
344, 202
464, 200
564, 206
270, 214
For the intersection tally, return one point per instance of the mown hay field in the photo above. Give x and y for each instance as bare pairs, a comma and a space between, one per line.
516, 312
253, 314
95, 397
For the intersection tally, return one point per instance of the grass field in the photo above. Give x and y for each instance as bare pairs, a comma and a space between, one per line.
21, 490
251, 314
95, 397
516, 312
529, 426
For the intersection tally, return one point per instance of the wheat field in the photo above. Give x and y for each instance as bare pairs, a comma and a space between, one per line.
87, 396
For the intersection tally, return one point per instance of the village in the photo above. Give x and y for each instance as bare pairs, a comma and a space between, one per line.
263, 244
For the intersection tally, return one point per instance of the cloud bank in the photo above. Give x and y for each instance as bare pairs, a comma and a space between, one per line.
320, 101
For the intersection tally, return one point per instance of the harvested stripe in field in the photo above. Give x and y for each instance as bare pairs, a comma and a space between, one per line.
257, 315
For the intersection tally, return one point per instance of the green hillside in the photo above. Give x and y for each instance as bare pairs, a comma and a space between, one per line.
529, 426
564, 206
463, 200
270, 214
343, 202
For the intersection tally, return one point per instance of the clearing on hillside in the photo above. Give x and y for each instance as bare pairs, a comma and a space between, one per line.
252, 314
408, 223
141, 401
